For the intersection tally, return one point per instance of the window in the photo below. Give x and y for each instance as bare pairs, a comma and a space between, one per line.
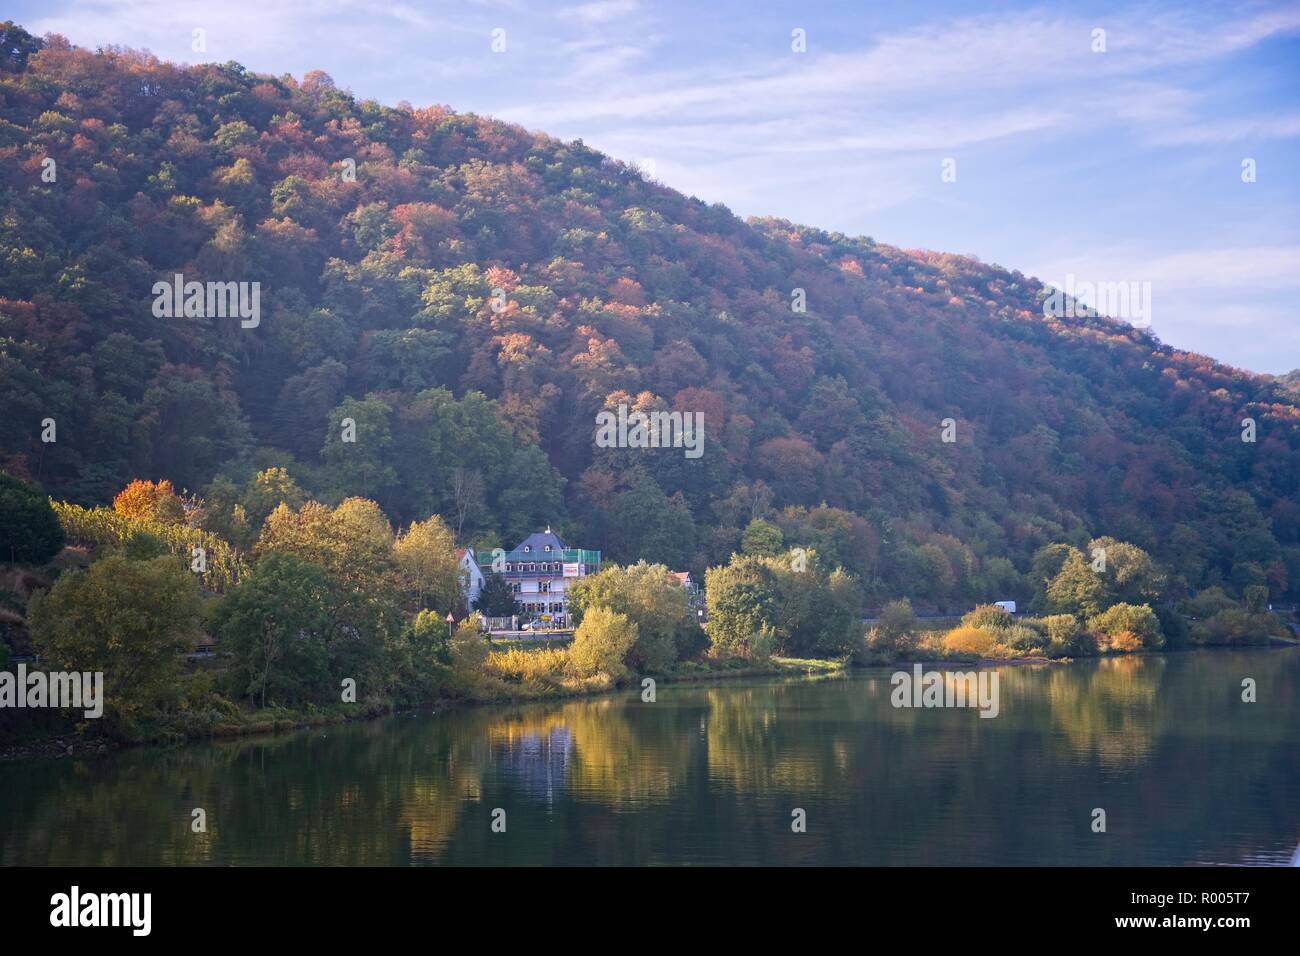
527, 548
548, 547
514, 586
544, 586
507, 565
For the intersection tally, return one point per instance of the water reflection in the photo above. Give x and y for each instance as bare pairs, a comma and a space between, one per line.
710, 774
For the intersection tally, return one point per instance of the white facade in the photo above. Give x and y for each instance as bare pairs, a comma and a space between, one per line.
471, 577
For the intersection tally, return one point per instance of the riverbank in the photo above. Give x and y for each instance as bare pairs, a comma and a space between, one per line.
240, 722
273, 720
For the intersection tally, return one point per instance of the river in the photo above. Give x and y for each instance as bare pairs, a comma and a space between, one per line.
1186, 772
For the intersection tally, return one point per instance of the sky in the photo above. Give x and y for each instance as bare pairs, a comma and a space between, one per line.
1014, 132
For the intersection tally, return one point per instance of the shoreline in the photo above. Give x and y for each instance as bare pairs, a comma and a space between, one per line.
68, 743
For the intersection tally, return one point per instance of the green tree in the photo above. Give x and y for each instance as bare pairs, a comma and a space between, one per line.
496, 598
1078, 589
354, 544
1123, 619
132, 620
426, 564
601, 643
762, 537
29, 529
651, 597
741, 598
276, 627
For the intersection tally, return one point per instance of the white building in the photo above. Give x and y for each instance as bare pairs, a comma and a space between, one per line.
471, 577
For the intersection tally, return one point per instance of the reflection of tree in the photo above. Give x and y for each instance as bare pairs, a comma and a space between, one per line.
1109, 710
746, 751
622, 761
709, 774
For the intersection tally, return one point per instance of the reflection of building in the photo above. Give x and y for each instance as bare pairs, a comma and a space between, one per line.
540, 571
539, 762
471, 577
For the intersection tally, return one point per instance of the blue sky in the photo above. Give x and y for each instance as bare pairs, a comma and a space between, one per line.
1115, 166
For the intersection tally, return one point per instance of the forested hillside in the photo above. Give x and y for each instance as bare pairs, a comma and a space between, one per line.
472, 295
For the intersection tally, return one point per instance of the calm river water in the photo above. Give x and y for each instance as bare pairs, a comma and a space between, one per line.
1186, 772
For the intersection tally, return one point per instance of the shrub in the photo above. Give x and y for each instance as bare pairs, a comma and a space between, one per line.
988, 617
1207, 603
1135, 619
469, 653
1021, 638
1065, 635
1233, 626
898, 620
521, 665
601, 643
968, 641
1124, 642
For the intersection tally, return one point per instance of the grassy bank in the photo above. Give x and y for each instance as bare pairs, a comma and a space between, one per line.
510, 676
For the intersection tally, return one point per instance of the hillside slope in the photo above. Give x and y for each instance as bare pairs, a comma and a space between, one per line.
379, 236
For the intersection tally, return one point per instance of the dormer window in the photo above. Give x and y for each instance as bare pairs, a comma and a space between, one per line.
548, 547
527, 548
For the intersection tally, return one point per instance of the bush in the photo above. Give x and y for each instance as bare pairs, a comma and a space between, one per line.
1065, 635
1233, 626
1207, 603
988, 617
968, 641
527, 665
469, 653
898, 620
30, 532
601, 643
1021, 638
1137, 620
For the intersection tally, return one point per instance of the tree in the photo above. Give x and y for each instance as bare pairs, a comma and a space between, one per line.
741, 598
132, 620
426, 564
496, 598
267, 490
1122, 624
1133, 575
354, 544
601, 643
469, 653
276, 627
1077, 589
154, 500
761, 537
16, 45
651, 597
30, 532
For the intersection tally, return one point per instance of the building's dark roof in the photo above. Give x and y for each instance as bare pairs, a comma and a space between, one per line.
537, 542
